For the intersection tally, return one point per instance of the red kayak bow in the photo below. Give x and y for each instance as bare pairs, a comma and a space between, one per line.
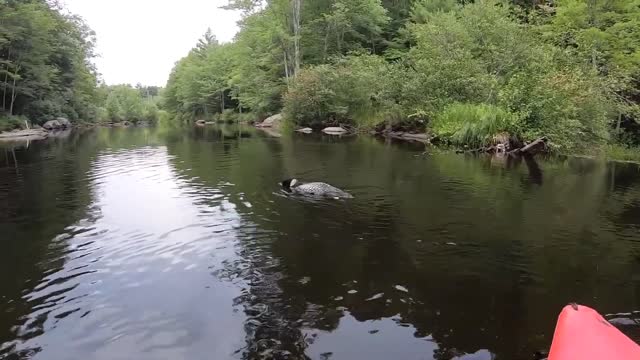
583, 334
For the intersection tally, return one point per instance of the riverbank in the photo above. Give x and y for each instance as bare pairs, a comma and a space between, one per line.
54, 127
275, 125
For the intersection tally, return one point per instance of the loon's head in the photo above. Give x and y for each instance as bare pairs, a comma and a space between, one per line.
288, 184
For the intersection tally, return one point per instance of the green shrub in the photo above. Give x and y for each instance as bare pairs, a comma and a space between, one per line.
229, 116
622, 152
566, 105
480, 54
102, 115
356, 90
8, 123
164, 118
125, 103
473, 125
150, 111
311, 99
246, 117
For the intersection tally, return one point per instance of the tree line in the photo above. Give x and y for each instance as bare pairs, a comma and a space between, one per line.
46, 71
465, 71
137, 104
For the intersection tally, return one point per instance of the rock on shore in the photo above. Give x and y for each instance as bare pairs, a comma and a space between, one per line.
271, 121
334, 130
57, 124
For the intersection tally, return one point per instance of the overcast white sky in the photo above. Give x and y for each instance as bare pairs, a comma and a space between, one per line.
140, 40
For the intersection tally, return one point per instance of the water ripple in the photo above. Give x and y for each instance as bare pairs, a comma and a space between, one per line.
128, 243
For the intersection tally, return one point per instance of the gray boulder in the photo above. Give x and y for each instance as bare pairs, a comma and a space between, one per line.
52, 125
64, 122
334, 130
271, 121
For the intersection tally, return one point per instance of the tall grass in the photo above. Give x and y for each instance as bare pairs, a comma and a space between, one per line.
471, 124
622, 152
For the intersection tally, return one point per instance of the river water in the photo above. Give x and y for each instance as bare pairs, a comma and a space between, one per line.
177, 244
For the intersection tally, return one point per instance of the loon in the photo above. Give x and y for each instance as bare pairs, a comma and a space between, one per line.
319, 189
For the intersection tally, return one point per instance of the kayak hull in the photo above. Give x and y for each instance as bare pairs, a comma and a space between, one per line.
583, 334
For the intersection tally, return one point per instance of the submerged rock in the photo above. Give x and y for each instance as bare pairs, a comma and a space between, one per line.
375, 297
306, 130
272, 132
60, 134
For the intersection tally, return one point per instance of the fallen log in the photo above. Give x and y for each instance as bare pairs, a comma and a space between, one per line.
422, 137
536, 146
29, 134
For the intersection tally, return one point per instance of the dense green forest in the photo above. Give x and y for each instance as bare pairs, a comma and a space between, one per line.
464, 71
45, 68
125, 103
46, 71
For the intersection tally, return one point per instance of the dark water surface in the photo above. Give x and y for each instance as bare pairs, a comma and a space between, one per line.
155, 244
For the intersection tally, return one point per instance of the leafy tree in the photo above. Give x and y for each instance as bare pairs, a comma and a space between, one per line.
124, 102
357, 90
45, 68
208, 40
567, 70
603, 34
348, 26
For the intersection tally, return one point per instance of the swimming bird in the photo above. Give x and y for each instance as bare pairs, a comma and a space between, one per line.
318, 189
